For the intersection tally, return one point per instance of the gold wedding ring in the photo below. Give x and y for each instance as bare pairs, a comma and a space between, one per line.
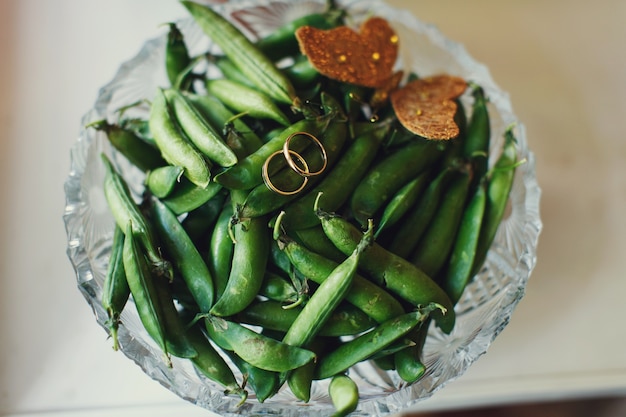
266, 177
287, 153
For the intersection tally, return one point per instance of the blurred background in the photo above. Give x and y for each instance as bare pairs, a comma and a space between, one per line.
563, 63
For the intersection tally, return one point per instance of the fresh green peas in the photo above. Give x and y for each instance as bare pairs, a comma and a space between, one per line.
140, 153
238, 136
162, 180
264, 383
498, 190
187, 196
199, 131
278, 288
175, 147
115, 291
243, 53
125, 211
258, 350
250, 254
211, 365
221, 247
241, 98
459, 268
402, 201
393, 272
144, 291
368, 344
177, 57
344, 394
385, 179
345, 320
365, 295
434, 247
405, 239
326, 298
184, 255
476, 144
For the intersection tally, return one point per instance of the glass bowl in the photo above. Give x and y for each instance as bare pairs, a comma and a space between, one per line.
485, 308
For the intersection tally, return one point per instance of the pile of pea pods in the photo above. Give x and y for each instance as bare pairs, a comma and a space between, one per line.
290, 222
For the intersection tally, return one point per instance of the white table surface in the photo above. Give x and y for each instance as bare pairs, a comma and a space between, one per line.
562, 61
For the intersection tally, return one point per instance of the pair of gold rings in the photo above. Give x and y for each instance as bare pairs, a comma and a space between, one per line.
301, 167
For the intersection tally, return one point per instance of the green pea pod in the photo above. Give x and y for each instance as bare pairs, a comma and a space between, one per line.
184, 255
187, 196
416, 221
385, 179
241, 98
402, 201
250, 255
325, 299
345, 176
434, 247
459, 268
140, 153
345, 320
368, 344
300, 380
175, 331
211, 364
278, 288
221, 247
243, 53
199, 131
476, 145
344, 394
258, 350
238, 136
177, 58
125, 211
174, 146
200, 222
143, 290
231, 72
262, 200
247, 173
408, 362
389, 270
499, 186
316, 240
162, 180
365, 295
115, 291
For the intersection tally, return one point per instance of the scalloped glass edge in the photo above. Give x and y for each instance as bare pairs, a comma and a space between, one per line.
485, 310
